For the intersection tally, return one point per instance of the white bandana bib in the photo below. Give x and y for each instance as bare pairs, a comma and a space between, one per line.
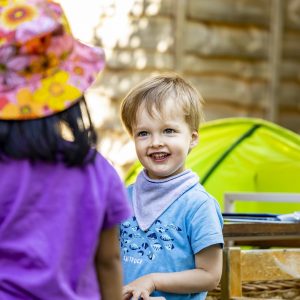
151, 197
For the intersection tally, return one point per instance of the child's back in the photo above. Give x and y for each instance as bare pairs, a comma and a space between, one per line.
51, 217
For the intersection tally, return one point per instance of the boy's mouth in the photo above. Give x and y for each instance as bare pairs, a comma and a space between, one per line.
159, 155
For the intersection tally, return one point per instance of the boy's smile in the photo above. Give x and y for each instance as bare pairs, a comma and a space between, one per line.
159, 156
163, 140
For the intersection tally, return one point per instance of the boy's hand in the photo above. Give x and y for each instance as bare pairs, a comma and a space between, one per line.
140, 288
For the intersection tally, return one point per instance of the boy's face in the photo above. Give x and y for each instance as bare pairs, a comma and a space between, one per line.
163, 141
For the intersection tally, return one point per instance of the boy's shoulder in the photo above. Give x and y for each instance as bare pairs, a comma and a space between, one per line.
198, 199
198, 194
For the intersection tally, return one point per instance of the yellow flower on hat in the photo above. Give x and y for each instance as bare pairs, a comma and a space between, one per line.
57, 92
14, 15
6, 2
25, 106
3, 2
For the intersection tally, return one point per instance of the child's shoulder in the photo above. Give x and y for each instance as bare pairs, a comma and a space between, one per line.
198, 198
198, 194
103, 163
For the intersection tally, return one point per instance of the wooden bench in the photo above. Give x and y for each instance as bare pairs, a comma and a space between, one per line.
242, 267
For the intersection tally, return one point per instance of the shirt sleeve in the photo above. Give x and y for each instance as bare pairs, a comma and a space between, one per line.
205, 224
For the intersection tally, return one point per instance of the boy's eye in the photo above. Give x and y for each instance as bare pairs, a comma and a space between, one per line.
169, 130
142, 133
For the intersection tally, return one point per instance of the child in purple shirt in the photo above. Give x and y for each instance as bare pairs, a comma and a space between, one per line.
60, 200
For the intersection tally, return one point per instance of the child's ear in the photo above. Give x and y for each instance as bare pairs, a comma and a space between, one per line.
194, 139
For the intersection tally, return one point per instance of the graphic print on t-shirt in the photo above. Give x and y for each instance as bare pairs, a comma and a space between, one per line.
138, 245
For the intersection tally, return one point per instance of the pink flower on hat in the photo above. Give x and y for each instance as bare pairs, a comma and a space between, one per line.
10, 65
83, 62
31, 29
3, 102
61, 46
6, 37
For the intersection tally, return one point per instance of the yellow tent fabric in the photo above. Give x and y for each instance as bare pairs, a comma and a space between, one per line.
245, 155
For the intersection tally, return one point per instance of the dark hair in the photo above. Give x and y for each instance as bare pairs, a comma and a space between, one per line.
45, 139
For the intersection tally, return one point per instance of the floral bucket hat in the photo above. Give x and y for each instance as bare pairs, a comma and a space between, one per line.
43, 68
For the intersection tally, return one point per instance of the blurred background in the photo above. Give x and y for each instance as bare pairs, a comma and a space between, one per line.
242, 55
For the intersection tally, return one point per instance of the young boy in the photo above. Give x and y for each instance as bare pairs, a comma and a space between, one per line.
172, 247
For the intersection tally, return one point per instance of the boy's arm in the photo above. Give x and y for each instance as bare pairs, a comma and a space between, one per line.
205, 277
108, 265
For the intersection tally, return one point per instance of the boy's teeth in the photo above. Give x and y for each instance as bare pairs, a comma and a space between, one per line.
159, 155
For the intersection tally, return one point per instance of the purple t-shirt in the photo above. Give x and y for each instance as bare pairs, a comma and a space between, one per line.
51, 217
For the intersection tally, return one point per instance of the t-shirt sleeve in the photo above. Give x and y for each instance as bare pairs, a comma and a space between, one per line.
118, 208
205, 224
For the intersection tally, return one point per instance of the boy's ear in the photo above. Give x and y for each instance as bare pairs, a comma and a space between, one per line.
194, 139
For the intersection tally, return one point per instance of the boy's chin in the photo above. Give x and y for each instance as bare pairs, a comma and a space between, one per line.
162, 175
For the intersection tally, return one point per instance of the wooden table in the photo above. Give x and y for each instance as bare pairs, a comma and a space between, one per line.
262, 234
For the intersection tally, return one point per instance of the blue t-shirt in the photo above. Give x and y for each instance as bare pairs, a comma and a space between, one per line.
190, 224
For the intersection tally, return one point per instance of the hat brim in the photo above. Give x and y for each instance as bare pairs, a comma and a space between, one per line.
56, 91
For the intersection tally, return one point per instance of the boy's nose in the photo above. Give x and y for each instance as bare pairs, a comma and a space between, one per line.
156, 141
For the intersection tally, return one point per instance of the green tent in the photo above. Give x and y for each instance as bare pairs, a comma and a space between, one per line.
245, 155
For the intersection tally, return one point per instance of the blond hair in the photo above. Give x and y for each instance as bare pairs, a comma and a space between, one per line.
154, 91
